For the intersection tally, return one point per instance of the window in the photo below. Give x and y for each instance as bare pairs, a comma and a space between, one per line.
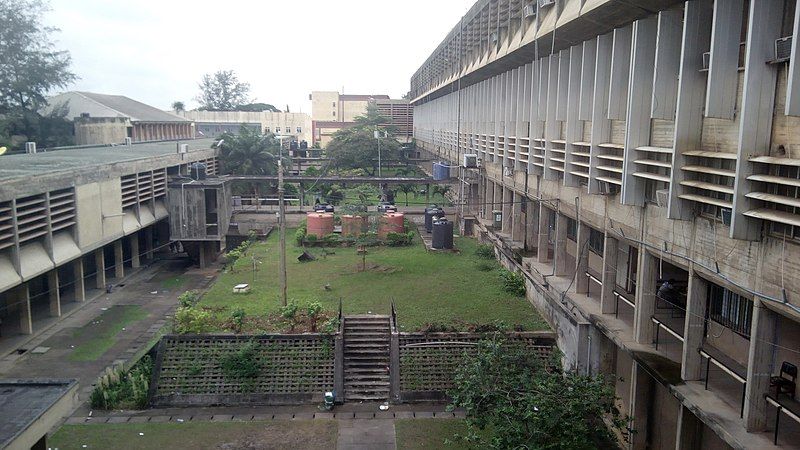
287, 129
267, 130
596, 239
730, 309
299, 130
779, 229
334, 114
572, 229
333, 104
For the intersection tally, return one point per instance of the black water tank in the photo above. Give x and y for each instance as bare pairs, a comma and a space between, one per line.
430, 213
442, 234
197, 171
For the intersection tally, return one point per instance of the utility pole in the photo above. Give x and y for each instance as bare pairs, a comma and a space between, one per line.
282, 223
378, 138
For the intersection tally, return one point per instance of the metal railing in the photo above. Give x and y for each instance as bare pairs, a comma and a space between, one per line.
659, 326
780, 409
726, 369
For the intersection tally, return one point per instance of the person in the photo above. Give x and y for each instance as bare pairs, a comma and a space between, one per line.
668, 292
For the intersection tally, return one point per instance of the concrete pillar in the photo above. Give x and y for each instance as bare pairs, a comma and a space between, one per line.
53, 294
759, 366
498, 197
694, 328
531, 224
561, 246
544, 229
610, 252
582, 259
690, 431
100, 263
119, 261
642, 394
202, 255
508, 198
646, 280
78, 286
24, 306
148, 242
517, 219
134, 240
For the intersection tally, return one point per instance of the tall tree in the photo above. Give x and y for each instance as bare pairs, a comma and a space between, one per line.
222, 91
249, 153
357, 148
178, 106
30, 68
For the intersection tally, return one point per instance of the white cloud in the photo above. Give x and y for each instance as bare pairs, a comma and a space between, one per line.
156, 51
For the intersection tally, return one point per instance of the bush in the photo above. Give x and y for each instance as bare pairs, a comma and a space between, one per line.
242, 364
399, 239
128, 391
289, 312
485, 251
486, 266
237, 316
232, 256
313, 310
300, 235
332, 239
188, 299
192, 321
513, 283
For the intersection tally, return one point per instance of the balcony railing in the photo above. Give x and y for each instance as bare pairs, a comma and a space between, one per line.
719, 363
780, 409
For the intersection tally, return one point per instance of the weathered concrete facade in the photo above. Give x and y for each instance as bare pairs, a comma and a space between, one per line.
628, 145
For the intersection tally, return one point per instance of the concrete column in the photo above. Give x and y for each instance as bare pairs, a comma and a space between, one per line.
134, 240
561, 246
202, 255
119, 268
508, 198
759, 366
489, 198
690, 431
78, 286
53, 294
694, 328
544, 229
498, 198
646, 281
582, 260
23, 301
610, 252
148, 242
517, 219
100, 263
642, 393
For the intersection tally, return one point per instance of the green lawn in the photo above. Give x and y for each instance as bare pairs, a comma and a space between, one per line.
415, 434
100, 335
274, 434
426, 287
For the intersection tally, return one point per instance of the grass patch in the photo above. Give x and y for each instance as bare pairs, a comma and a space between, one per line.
413, 434
100, 335
426, 287
274, 434
173, 283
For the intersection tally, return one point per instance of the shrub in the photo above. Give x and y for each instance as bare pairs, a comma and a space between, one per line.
237, 316
486, 266
188, 299
232, 256
192, 321
289, 312
241, 364
332, 239
128, 391
399, 239
300, 235
485, 251
313, 310
331, 325
513, 283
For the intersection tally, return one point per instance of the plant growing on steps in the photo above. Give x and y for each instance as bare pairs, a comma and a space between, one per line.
485, 251
289, 312
313, 311
127, 390
513, 283
243, 364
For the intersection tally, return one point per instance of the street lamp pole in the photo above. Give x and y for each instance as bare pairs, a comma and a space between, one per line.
282, 224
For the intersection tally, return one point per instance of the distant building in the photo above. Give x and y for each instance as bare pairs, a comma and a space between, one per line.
109, 119
214, 123
331, 112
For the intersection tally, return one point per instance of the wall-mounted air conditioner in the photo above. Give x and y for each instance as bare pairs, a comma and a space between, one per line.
606, 188
30, 148
783, 48
508, 172
493, 37
470, 160
545, 3
529, 10
706, 60
662, 197
183, 148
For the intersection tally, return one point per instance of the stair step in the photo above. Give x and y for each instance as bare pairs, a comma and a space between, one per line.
367, 384
366, 397
367, 370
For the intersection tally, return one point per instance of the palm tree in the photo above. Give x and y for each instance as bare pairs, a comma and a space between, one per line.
178, 106
443, 189
249, 153
406, 189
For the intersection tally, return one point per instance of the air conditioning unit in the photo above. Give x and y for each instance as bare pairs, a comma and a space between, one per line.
470, 160
726, 216
30, 148
662, 197
606, 188
706, 60
493, 37
183, 148
783, 48
546, 3
508, 172
529, 10
479, 163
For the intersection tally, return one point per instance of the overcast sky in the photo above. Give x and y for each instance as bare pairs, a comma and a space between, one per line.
156, 51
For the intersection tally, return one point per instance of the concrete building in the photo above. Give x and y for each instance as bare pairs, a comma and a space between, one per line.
331, 112
214, 123
643, 157
72, 220
109, 119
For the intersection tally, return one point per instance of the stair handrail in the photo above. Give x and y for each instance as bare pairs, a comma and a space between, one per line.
393, 318
341, 319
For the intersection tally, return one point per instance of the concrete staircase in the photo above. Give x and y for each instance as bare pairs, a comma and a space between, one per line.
366, 357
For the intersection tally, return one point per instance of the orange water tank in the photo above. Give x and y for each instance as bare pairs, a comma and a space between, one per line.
353, 226
319, 224
391, 222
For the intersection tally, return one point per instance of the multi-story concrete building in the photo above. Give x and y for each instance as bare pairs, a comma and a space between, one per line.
214, 123
331, 112
71, 218
644, 158
109, 119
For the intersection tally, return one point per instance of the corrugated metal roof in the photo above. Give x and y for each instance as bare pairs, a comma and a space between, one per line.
104, 105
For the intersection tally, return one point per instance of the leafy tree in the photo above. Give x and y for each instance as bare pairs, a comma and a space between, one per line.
357, 148
441, 189
516, 400
31, 67
222, 91
406, 189
257, 107
178, 106
249, 153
